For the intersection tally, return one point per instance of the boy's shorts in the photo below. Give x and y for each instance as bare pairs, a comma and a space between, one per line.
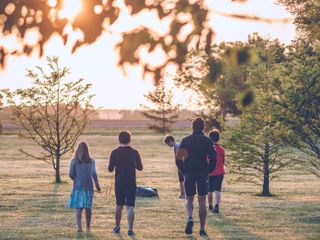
215, 183
196, 183
125, 194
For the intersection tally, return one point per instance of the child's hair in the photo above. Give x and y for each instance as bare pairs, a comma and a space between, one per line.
168, 139
214, 135
82, 153
124, 137
198, 124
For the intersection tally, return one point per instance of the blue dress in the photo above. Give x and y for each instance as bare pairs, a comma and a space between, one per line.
82, 175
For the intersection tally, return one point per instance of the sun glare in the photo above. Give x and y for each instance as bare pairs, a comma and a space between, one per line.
70, 9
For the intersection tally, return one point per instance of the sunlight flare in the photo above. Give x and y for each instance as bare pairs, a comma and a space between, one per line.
70, 9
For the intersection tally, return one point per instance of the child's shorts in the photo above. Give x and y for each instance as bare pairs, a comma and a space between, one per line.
215, 183
125, 194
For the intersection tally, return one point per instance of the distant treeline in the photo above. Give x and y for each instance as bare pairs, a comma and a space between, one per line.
110, 114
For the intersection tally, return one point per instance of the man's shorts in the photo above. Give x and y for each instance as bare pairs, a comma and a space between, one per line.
181, 177
215, 183
125, 194
196, 183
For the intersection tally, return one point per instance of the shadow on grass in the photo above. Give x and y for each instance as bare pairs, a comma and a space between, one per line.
229, 228
191, 237
119, 236
85, 236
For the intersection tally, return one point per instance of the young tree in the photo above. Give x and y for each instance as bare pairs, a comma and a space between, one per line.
298, 104
162, 112
53, 112
257, 152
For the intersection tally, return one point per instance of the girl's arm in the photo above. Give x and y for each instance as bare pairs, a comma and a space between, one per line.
72, 172
95, 176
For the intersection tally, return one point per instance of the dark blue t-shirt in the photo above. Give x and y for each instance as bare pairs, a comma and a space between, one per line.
201, 155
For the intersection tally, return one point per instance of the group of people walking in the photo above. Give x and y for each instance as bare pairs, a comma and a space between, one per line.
200, 162
199, 159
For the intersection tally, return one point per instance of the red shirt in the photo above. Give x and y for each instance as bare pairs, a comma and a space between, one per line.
219, 169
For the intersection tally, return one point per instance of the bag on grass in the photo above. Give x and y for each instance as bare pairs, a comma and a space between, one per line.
146, 192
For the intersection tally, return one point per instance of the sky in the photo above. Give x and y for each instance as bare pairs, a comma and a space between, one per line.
116, 89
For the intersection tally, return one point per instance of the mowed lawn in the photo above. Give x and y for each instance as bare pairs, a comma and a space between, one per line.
33, 207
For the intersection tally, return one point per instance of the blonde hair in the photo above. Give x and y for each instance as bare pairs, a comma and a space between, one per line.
82, 153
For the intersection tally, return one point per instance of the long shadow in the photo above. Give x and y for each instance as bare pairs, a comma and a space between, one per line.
229, 228
191, 237
87, 236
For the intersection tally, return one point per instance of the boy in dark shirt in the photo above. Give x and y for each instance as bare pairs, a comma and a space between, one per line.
125, 160
199, 158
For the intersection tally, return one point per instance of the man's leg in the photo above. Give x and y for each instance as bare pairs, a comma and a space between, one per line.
78, 219
88, 218
181, 184
130, 203
189, 206
210, 192
217, 190
202, 211
202, 185
218, 197
210, 200
182, 192
190, 190
120, 201
130, 212
118, 215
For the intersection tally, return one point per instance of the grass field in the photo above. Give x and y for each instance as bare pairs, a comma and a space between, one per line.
33, 207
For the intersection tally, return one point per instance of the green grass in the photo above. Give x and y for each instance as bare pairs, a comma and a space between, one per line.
32, 207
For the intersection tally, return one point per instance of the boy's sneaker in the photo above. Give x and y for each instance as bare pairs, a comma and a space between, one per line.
210, 207
189, 226
130, 233
203, 233
116, 230
216, 209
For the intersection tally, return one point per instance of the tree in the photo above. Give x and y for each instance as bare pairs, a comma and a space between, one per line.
256, 150
99, 16
306, 15
52, 113
218, 76
298, 102
162, 111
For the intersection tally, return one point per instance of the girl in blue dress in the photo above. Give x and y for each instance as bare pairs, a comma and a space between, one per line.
83, 173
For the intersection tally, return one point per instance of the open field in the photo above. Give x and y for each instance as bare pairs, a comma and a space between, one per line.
32, 207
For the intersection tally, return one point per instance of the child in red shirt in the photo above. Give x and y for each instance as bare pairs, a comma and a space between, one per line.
216, 176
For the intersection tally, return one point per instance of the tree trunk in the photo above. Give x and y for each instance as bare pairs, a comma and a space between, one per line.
266, 172
163, 119
58, 178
